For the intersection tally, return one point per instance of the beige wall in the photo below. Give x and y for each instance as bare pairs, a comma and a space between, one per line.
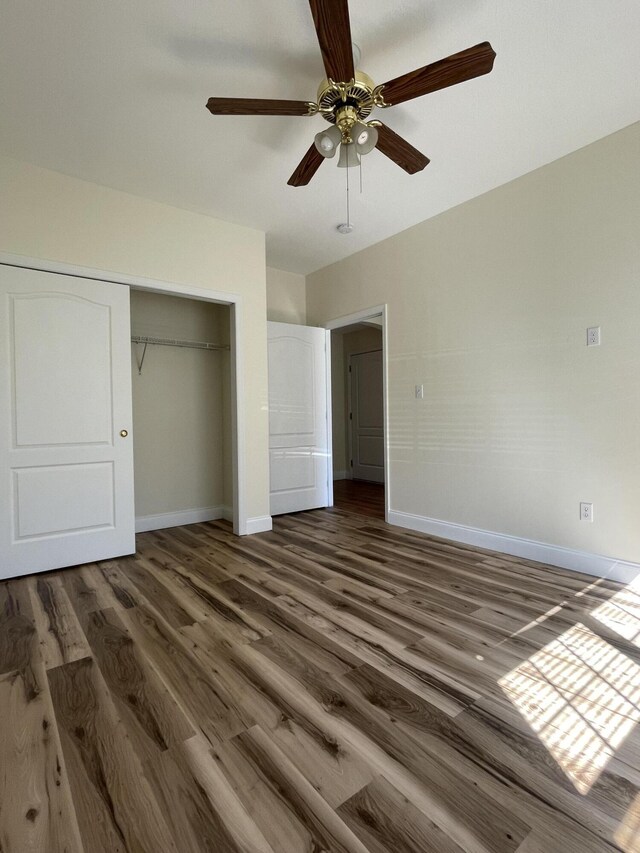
286, 297
51, 216
180, 422
488, 306
343, 345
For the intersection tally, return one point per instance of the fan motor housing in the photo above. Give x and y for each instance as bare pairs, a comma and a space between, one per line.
357, 93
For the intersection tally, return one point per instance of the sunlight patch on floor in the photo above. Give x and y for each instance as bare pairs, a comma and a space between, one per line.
627, 836
621, 613
581, 697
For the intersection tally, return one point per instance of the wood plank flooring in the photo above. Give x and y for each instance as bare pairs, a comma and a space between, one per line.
335, 685
359, 497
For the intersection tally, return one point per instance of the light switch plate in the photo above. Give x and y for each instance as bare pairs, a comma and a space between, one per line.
419, 392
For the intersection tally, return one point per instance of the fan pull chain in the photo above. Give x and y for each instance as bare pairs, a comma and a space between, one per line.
347, 171
361, 176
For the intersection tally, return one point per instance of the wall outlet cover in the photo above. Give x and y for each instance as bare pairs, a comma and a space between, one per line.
586, 512
593, 336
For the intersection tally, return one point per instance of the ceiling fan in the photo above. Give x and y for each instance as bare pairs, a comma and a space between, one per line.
347, 96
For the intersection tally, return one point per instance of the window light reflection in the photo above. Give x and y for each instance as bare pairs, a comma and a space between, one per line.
581, 697
627, 836
621, 613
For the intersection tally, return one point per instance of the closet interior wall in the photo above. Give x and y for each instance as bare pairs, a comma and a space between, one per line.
181, 412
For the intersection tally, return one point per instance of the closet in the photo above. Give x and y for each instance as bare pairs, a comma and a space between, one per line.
93, 423
181, 389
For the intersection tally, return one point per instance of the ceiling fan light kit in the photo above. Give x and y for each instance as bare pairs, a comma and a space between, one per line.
348, 157
347, 97
327, 141
365, 137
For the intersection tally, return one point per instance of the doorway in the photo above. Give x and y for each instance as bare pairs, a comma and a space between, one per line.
359, 412
365, 424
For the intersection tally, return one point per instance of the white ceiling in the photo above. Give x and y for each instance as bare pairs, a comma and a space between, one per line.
115, 93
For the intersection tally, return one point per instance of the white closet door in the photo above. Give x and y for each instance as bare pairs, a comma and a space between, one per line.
298, 435
66, 471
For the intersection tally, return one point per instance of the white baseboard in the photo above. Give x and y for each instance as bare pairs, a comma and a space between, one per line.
577, 561
342, 475
260, 524
145, 523
227, 513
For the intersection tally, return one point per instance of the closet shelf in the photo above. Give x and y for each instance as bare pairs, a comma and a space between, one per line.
171, 342
175, 342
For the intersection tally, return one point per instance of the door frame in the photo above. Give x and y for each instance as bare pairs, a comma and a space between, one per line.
349, 320
233, 300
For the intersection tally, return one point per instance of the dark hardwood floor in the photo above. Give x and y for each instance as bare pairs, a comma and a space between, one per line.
359, 497
335, 685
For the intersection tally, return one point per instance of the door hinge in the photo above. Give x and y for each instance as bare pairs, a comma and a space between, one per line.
350, 416
351, 462
349, 368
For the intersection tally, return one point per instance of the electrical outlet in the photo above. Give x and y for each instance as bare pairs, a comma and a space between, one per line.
419, 392
593, 336
586, 512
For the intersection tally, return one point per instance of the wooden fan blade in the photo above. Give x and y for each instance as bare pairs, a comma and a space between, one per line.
400, 151
307, 168
257, 107
331, 19
470, 63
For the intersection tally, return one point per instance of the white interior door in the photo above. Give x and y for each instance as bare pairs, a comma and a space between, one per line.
367, 417
298, 435
66, 472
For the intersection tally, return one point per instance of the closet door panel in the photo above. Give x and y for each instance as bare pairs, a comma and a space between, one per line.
66, 471
52, 499
55, 370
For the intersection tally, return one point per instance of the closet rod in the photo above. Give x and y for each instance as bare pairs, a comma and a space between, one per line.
173, 342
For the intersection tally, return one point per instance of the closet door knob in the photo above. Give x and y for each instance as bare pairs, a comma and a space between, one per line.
123, 433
